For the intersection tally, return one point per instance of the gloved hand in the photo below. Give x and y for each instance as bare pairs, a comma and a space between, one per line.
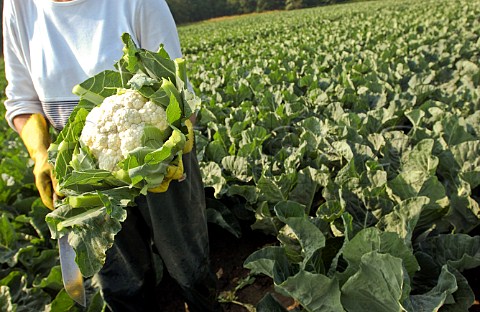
190, 137
174, 172
36, 138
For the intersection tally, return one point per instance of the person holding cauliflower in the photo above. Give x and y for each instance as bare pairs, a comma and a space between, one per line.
49, 47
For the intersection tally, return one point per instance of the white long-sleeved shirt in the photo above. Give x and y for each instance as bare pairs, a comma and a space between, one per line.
49, 47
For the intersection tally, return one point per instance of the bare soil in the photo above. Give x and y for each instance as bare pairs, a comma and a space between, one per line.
227, 254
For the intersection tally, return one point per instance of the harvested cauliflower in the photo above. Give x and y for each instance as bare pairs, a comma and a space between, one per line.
115, 128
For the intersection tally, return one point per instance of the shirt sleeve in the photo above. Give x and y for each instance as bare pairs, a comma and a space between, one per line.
20, 92
156, 26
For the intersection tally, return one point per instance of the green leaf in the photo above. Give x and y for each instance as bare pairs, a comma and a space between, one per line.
157, 66
378, 284
459, 251
417, 167
140, 80
100, 86
91, 231
249, 192
309, 181
465, 213
276, 188
130, 51
265, 220
174, 112
262, 261
63, 303
289, 209
463, 297
238, 167
8, 235
315, 292
52, 281
436, 297
310, 237
97, 303
404, 217
372, 239
213, 177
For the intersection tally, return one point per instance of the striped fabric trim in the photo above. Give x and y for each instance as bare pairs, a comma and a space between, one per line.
57, 112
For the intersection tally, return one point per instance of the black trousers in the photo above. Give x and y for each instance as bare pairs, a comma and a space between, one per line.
175, 222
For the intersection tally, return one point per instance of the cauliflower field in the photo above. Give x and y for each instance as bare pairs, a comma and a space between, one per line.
349, 133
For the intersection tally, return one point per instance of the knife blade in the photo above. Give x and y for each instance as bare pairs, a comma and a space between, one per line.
72, 278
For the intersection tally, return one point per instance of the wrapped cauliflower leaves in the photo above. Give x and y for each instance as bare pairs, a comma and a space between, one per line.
126, 137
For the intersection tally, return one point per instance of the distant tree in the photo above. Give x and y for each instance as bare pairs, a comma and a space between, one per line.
187, 11
242, 6
265, 5
311, 3
181, 10
293, 4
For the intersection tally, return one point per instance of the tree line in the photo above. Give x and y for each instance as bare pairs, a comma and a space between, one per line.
186, 11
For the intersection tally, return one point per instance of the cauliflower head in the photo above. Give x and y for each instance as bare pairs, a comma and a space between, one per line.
115, 128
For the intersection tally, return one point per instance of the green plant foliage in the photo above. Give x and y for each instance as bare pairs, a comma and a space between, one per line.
351, 133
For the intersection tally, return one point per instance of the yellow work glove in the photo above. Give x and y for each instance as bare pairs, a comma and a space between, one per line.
174, 172
36, 138
190, 137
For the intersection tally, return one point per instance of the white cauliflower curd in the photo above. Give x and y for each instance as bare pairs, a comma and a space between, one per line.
116, 127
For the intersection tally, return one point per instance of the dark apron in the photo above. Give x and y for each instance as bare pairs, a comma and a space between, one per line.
175, 222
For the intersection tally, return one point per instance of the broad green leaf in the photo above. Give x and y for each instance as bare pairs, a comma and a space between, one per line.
417, 167
309, 236
262, 261
174, 112
466, 155
90, 231
372, 239
309, 181
238, 167
377, 286
289, 209
212, 177
16, 282
276, 188
436, 297
130, 52
465, 212
52, 281
100, 86
454, 130
463, 297
315, 292
8, 235
265, 220
157, 66
459, 251
139, 80
404, 217
331, 210
249, 192
63, 303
